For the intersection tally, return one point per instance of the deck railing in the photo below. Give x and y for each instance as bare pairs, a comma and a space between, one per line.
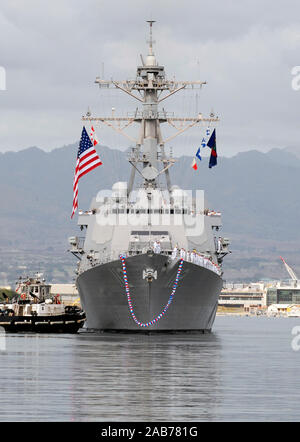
199, 259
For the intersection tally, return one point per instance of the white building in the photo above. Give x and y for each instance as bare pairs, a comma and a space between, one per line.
243, 296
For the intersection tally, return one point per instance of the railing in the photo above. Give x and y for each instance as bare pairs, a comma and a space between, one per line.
130, 208
197, 259
162, 115
142, 211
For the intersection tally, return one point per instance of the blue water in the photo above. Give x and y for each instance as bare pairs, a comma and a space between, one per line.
245, 370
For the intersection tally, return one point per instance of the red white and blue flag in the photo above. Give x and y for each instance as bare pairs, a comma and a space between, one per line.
211, 143
93, 136
194, 163
87, 160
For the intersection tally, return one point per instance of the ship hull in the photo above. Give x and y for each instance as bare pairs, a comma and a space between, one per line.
103, 296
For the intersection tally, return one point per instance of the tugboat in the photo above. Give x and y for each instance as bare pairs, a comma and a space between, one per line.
33, 309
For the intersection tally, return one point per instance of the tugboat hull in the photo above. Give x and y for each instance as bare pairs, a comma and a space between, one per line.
42, 324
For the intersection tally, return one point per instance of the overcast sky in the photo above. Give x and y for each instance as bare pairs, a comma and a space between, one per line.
245, 50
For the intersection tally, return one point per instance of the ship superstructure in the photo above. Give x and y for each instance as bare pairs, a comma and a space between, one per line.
151, 256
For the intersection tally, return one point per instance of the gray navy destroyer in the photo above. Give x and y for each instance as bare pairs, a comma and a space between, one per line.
151, 258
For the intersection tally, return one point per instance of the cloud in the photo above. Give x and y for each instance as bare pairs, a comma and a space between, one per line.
52, 52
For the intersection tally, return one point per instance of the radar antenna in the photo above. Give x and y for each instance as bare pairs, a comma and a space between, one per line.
150, 87
150, 41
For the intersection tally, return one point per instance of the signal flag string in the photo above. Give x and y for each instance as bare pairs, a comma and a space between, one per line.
158, 317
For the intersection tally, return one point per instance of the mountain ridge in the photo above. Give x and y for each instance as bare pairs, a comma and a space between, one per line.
256, 192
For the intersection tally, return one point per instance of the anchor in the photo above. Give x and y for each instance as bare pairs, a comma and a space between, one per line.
149, 274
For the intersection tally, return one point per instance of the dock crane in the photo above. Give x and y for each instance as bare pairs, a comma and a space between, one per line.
289, 270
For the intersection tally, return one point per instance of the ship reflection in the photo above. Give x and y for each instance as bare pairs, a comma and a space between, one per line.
146, 378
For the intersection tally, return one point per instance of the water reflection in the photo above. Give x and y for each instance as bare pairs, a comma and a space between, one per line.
146, 377
245, 370
110, 377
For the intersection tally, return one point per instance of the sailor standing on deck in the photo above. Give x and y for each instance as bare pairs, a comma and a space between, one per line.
200, 259
174, 253
182, 253
219, 244
158, 248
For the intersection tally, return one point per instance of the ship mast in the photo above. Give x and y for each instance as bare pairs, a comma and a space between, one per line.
150, 87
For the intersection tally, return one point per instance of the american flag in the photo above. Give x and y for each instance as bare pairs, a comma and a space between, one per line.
87, 160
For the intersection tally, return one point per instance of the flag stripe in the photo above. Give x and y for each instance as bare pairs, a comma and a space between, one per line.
91, 157
87, 153
87, 165
88, 170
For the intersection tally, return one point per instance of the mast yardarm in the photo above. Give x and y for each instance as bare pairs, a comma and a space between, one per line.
150, 87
